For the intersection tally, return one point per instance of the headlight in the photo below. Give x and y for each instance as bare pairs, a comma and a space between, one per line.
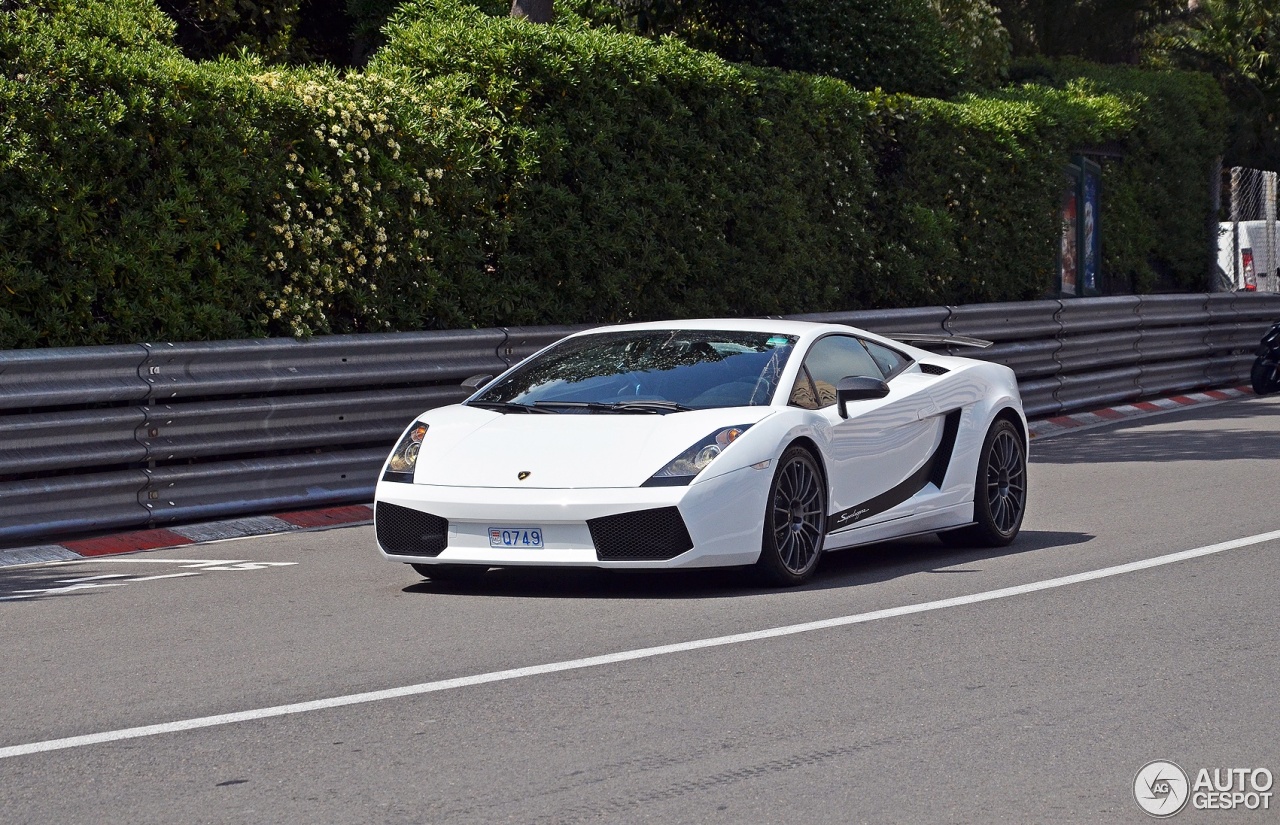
686, 466
404, 459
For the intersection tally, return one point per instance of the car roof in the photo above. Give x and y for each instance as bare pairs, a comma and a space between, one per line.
769, 325
806, 331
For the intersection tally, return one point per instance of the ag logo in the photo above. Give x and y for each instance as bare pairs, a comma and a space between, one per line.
1161, 788
522, 475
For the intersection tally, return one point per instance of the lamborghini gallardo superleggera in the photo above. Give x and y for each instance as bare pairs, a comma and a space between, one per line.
756, 443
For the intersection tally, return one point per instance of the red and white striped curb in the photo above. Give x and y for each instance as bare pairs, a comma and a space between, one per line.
1057, 425
351, 515
180, 536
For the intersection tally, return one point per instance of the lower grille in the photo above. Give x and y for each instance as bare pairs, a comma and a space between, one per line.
644, 535
403, 531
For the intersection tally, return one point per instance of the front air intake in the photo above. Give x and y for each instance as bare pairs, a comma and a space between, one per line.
403, 531
643, 535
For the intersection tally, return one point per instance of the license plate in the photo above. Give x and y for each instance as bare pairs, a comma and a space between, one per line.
530, 537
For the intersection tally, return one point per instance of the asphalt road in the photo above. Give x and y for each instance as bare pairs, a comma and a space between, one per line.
1015, 706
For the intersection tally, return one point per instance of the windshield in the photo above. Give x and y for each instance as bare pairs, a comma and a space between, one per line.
652, 371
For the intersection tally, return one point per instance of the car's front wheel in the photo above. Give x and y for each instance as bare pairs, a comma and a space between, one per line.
461, 573
795, 521
1000, 494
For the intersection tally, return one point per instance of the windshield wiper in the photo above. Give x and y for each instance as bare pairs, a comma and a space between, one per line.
506, 406
657, 407
662, 407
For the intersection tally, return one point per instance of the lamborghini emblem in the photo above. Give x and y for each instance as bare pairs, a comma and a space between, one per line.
522, 475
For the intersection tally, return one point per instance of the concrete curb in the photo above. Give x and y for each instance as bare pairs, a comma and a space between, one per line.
356, 514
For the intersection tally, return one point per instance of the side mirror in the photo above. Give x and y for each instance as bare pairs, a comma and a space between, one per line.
858, 388
475, 382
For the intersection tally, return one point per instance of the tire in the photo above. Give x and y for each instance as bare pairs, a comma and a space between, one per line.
460, 573
795, 521
1264, 376
1000, 491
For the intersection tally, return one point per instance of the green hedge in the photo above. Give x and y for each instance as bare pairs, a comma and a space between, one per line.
643, 179
1157, 174
144, 196
971, 188
487, 171
897, 45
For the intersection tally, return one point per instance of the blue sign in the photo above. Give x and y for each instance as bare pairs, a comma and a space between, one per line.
1090, 237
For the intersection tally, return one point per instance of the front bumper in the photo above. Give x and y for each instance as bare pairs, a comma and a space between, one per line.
723, 517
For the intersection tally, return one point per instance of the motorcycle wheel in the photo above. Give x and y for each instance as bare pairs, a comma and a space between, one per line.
1264, 376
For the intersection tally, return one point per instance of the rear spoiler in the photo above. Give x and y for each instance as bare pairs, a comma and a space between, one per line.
933, 338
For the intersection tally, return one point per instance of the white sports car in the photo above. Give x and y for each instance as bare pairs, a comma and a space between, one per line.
708, 443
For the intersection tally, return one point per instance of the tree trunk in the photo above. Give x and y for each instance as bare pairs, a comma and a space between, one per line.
535, 11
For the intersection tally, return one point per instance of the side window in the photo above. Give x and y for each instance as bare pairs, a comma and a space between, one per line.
890, 362
803, 394
833, 358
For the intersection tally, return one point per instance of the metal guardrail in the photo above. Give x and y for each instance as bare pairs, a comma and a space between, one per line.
99, 438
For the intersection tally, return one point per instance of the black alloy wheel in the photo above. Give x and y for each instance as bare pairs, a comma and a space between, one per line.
795, 521
1000, 494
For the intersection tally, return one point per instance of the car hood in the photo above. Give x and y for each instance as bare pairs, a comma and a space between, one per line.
472, 447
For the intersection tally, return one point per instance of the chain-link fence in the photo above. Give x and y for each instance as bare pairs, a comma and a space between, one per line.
1248, 245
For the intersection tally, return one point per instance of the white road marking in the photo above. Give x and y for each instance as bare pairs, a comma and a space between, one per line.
626, 655
247, 565
192, 562
197, 566
55, 591
92, 578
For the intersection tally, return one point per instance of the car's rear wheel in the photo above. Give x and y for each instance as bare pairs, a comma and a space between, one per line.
795, 521
1000, 495
451, 572
1264, 377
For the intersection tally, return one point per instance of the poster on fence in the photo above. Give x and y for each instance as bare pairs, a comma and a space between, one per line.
1068, 257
